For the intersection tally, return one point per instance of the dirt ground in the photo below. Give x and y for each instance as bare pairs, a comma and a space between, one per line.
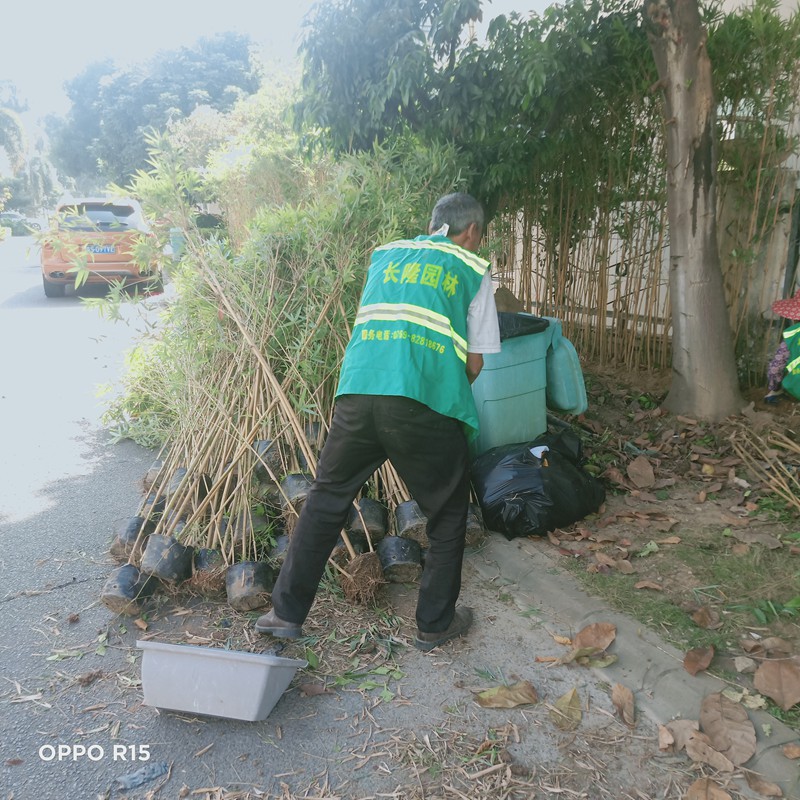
692, 539
695, 547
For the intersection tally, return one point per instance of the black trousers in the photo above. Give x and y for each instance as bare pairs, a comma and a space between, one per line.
429, 452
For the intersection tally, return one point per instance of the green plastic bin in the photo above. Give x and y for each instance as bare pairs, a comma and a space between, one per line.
510, 392
536, 369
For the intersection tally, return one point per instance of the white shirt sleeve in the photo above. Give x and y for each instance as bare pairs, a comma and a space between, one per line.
483, 330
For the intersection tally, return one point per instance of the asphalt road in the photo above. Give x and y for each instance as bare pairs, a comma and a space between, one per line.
64, 488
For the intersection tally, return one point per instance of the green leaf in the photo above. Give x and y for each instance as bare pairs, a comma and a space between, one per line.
312, 658
650, 548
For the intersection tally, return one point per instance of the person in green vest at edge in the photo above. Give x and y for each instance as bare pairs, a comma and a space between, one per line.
427, 316
783, 373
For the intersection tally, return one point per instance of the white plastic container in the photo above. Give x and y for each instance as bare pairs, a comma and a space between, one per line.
206, 680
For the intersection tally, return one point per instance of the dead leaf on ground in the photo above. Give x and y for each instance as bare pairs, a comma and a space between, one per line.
669, 540
700, 749
682, 730
761, 785
140, 624
561, 639
774, 644
566, 712
728, 727
640, 471
313, 689
648, 585
622, 698
698, 659
604, 559
779, 679
750, 537
88, 678
707, 618
706, 789
791, 750
598, 635
665, 738
613, 475
517, 694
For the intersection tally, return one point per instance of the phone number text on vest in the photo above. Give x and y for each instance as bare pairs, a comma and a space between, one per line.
414, 338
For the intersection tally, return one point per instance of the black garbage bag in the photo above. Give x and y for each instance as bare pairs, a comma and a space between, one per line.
523, 494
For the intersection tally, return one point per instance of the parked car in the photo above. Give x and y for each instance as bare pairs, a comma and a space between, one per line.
19, 224
98, 240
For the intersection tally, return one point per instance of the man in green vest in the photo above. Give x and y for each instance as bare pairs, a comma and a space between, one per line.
426, 318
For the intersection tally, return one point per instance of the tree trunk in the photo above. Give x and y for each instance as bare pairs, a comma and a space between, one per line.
704, 379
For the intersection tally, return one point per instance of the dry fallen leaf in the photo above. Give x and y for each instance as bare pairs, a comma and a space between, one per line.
598, 635
698, 659
622, 698
791, 750
313, 689
761, 785
765, 539
665, 738
707, 618
561, 639
624, 567
517, 694
670, 540
706, 789
566, 713
700, 749
682, 730
648, 585
640, 471
728, 728
140, 624
774, 644
779, 679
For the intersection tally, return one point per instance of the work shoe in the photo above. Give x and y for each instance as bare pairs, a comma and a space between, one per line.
458, 627
271, 623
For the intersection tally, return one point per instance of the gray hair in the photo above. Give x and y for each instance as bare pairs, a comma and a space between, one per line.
458, 211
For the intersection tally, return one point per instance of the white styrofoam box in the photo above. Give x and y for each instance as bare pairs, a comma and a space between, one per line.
207, 680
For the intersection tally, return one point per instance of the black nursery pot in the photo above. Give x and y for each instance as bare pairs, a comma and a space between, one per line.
125, 589
123, 544
166, 558
411, 523
374, 517
295, 487
400, 559
278, 551
207, 559
248, 583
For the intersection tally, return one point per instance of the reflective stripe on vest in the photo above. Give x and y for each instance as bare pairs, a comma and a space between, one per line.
417, 315
788, 335
467, 258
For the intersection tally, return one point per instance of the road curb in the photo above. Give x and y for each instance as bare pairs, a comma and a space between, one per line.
650, 667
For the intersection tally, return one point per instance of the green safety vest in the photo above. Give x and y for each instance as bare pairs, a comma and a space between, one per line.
410, 334
791, 380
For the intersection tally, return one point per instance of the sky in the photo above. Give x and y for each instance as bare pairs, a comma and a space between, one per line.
48, 42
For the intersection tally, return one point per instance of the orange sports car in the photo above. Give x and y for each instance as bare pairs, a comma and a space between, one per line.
98, 241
